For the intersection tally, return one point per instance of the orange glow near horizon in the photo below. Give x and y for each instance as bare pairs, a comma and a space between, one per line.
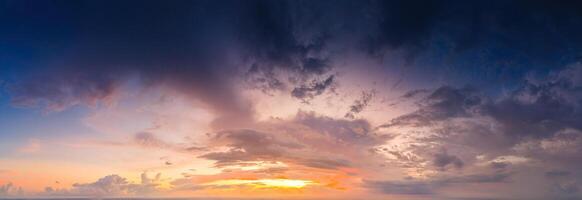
264, 183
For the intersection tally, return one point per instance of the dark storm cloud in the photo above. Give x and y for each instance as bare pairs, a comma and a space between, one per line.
513, 27
81, 51
103, 45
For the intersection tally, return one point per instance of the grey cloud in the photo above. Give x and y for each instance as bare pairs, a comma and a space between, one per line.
441, 104
359, 104
347, 132
476, 178
396, 187
432, 186
557, 173
248, 145
414, 93
499, 165
9, 189
563, 183
567, 188
305, 93
541, 108
443, 159
307, 139
325, 163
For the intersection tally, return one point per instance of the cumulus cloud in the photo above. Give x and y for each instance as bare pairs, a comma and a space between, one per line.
111, 185
9, 189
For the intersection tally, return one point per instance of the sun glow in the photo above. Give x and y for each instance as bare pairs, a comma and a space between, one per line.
264, 183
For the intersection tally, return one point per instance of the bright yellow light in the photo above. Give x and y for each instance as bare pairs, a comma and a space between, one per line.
265, 183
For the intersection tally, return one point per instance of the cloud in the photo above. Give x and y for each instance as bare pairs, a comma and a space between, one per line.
416, 26
9, 189
443, 159
529, 126
307, 92
477, 178
359, 104
346, 132
395, 187
563, 183
432, 186
171, 51
308, 140
557, 173
441, 104
541, 108
248, 145
149, 140
111, 185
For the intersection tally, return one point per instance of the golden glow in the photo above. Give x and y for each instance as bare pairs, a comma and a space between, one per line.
264, 183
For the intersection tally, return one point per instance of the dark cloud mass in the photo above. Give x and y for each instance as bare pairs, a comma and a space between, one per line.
80, 51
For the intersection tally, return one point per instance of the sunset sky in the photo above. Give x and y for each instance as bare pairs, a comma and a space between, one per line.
338, 99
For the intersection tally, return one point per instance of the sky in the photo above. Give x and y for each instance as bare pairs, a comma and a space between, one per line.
299, 99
